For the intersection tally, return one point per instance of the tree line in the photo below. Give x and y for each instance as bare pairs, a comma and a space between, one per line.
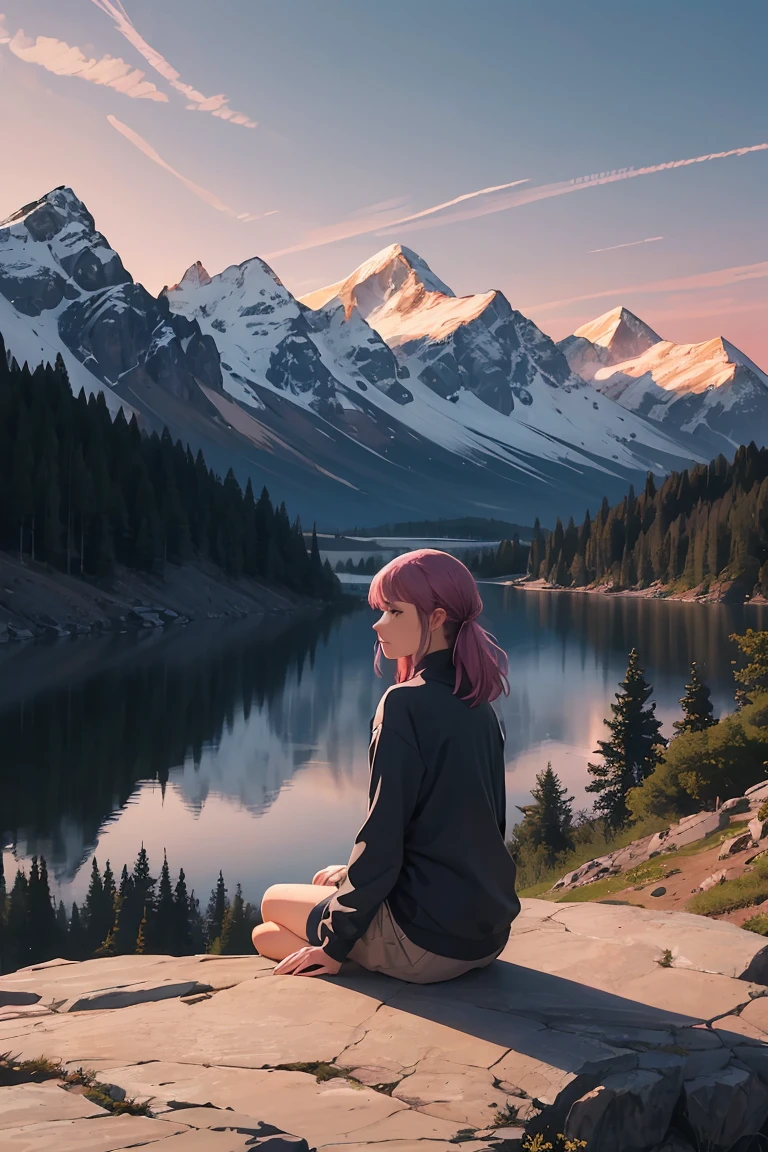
707, 523
641, 774
83, 492
509, 557
140, 914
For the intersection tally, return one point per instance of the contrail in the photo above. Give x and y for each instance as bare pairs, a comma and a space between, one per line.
630, 244
562, 188
203, 194
492, 200
357, 227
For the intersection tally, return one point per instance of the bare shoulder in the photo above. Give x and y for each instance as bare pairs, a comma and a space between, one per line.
391, 691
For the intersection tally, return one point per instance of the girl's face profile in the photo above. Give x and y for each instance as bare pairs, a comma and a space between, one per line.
398, 629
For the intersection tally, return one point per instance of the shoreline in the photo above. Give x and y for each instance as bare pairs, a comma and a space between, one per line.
719, 594
41, 604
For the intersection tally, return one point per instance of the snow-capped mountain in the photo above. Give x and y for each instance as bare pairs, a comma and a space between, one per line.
476, 343
384, 397
711, 389
60, 275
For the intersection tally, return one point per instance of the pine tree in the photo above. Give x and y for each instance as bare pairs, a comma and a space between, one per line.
197, 927
217, 906
237, 927
19, 938
181, 937
139, 900
548, 822
3, 897
92, 909
141, 938
107, 902
632, 752
696, 705
77, 942
163, 920
752, 679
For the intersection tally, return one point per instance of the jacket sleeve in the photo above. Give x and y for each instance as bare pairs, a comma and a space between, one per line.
374, 865
501, 801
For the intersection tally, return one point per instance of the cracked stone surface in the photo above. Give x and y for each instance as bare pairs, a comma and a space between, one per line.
575, 1026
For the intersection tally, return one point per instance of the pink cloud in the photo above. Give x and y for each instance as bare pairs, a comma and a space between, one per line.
217, 105
65, 60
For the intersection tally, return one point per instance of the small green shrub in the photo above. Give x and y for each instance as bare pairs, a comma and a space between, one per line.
742, 892
758, 923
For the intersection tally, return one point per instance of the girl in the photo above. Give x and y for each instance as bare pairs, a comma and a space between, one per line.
429, 888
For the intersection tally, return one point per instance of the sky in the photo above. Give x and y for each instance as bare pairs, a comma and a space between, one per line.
575, 154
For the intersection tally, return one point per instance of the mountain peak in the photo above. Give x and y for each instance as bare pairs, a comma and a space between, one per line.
621, 333
387, 273
194, 277
391, 267
61, 205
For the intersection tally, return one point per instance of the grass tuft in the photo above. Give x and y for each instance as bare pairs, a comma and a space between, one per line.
741, 892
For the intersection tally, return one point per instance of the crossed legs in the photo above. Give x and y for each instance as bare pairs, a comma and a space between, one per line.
284, 910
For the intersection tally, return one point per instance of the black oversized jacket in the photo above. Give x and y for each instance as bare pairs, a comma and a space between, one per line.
432, 844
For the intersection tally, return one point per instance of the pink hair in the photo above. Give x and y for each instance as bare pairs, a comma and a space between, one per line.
430, 579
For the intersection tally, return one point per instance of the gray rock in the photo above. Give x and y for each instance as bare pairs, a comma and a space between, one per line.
628, 1111
758, 829
660, 891
754, 1057
711, 881
736, 844
736, 804
725, 1105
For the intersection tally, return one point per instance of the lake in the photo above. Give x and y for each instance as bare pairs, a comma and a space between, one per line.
243, 746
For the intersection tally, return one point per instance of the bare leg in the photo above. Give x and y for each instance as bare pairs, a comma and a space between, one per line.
284, 909
274, 941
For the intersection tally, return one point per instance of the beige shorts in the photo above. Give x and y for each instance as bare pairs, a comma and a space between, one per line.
385, 948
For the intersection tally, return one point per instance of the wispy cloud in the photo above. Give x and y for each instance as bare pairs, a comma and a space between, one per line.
362, 224
499, 198
495, 203
698, 282
629, 244
216, 105
65, 60
203, 194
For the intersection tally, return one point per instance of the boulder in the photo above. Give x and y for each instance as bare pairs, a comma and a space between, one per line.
758, 829
735, 805
711, 881
628, 1111
736, 844
724, 1106
758, 791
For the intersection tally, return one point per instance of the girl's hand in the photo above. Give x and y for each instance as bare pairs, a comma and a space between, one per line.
331, 874
298, 962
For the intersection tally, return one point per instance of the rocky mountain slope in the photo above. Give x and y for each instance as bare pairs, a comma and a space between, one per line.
393, 399
711, 390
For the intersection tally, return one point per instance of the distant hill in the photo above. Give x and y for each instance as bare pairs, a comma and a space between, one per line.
463, 528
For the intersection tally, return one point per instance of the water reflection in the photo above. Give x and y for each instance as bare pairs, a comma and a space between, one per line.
244, 748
